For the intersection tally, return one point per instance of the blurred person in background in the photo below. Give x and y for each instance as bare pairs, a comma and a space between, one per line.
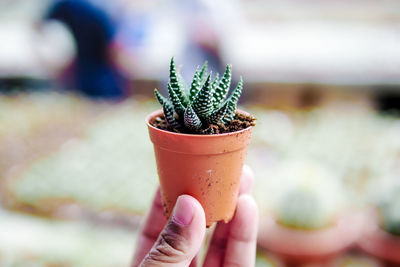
202, 36
204, 26
141, 36
93, 71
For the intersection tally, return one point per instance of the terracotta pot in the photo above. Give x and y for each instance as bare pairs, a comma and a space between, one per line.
296, 246
207, 167
379, 243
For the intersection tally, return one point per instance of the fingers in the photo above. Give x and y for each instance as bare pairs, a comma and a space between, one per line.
194, 262
246, 181
241, 246
155, 221
152, 226
181, 239
216, 251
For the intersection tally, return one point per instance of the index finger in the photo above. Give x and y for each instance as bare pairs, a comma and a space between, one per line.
246, 181
217, 248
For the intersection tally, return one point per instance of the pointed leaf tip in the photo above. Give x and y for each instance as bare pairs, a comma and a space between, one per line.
203, 103
191, 120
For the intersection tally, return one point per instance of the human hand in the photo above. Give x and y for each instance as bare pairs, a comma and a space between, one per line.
176, 242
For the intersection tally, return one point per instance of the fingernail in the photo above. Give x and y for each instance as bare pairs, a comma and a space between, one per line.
183, 212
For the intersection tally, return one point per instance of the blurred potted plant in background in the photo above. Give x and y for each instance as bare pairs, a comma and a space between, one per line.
309, 221
200, 141
381, 237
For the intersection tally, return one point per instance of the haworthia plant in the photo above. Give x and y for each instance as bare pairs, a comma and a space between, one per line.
204, 103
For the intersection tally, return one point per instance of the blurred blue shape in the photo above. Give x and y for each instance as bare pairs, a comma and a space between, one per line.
93, 30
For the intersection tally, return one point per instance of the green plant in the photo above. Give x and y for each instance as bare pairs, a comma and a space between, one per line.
390, 211
301, 209
205, 103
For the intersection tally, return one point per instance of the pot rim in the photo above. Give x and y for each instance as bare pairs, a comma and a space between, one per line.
158, 111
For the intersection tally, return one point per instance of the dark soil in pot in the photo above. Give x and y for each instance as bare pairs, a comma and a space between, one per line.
240, 122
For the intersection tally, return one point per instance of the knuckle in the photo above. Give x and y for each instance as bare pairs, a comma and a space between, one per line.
170, 246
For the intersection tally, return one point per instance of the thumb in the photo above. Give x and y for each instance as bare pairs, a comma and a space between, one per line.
181, 238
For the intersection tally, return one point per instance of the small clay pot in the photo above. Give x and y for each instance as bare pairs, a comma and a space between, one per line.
378, 243
296, 246
207, 167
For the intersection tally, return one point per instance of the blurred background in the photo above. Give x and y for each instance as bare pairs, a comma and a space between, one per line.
77, 170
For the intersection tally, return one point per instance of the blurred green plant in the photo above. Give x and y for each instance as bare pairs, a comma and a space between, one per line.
301, 209
390, 211
204, 103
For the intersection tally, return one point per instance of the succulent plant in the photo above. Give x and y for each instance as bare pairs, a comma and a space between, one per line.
301, 209
203, 104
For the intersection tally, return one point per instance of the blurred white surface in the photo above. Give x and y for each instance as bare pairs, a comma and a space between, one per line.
335, 42
77, 243
36, 53
317, 51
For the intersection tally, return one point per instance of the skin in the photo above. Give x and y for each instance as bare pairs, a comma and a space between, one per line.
178, 241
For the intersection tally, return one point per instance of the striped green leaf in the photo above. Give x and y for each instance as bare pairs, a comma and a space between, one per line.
176, 102
195, 86
232, 102
176, 84
191, 120
223, 87
203, 102
218, 114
